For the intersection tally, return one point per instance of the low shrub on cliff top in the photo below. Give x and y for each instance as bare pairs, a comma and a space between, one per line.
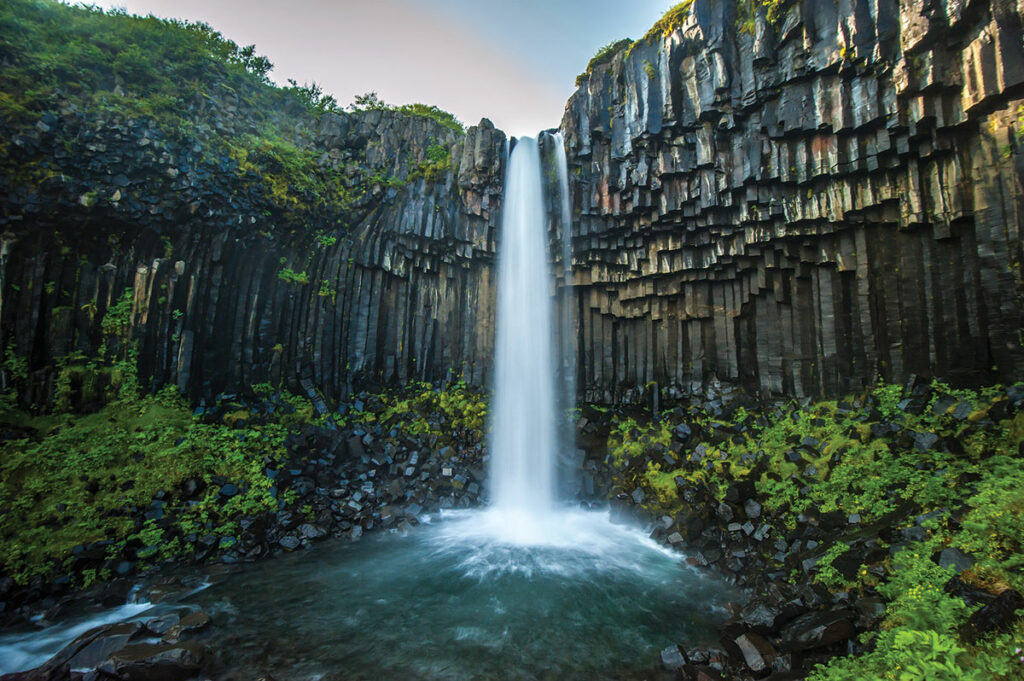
89, 57
603, 55
670, 22
371, 102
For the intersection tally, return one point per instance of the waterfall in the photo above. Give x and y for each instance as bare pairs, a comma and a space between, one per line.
524, 407
566, 301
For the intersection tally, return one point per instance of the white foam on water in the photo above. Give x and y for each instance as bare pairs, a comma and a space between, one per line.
23, 651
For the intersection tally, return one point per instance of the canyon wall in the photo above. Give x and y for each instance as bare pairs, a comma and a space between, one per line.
804, 206
219, 291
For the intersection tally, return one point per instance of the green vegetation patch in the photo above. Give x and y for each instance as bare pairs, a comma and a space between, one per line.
746, 13
73, 480
603, 56
371, 102
455, 414
670, 22
954, 456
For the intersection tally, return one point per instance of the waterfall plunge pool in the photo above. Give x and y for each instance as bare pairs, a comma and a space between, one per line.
575, 598
475, 595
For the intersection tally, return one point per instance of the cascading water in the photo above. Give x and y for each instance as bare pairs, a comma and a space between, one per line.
523, 440
566, 301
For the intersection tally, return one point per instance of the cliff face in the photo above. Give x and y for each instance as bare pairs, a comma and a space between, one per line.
827, 201
804, 206
226, 289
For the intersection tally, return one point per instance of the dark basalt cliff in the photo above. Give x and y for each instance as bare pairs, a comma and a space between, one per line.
228, 289
828, 201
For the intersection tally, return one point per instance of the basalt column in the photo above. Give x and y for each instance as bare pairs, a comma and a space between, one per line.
805, 206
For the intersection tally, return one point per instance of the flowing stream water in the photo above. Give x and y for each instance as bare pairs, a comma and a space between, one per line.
528, 588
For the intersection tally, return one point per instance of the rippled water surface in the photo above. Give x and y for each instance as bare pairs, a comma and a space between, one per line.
477, 595
582, 599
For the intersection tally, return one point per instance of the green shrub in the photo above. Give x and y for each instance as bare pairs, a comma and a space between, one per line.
371, 102
603, 56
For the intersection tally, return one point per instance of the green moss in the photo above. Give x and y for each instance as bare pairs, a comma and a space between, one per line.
290, 276
671, 21
435, 166
83, 480
456, 414
603, 56
746, 13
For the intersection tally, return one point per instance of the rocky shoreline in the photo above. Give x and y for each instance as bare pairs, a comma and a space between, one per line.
808, 605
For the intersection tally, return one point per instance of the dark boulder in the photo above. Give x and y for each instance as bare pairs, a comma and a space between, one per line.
161, 662
818, 630
761, 616
998, 616
189, 623
701, 673
758, 653
90, 648
110, 641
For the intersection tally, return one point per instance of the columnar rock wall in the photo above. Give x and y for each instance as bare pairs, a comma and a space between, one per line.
398, 287
806, 209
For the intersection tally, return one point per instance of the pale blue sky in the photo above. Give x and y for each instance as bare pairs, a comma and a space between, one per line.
513, 62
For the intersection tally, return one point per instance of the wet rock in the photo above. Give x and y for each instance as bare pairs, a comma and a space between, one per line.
638, 496
998, 616
289, 542
188, 625
761, 616
92, 647
313, 532
818, 630
925, 441
160, 662
701, 673
158, 626
956, 559
104, 645
672, 659
871, 611
229, 490
758, 653
752, 508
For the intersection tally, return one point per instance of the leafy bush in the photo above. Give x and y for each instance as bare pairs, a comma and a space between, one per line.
97, 59
603, 55
746, 13
371, 102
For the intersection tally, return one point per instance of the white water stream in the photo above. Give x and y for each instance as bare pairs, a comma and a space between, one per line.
523, 440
